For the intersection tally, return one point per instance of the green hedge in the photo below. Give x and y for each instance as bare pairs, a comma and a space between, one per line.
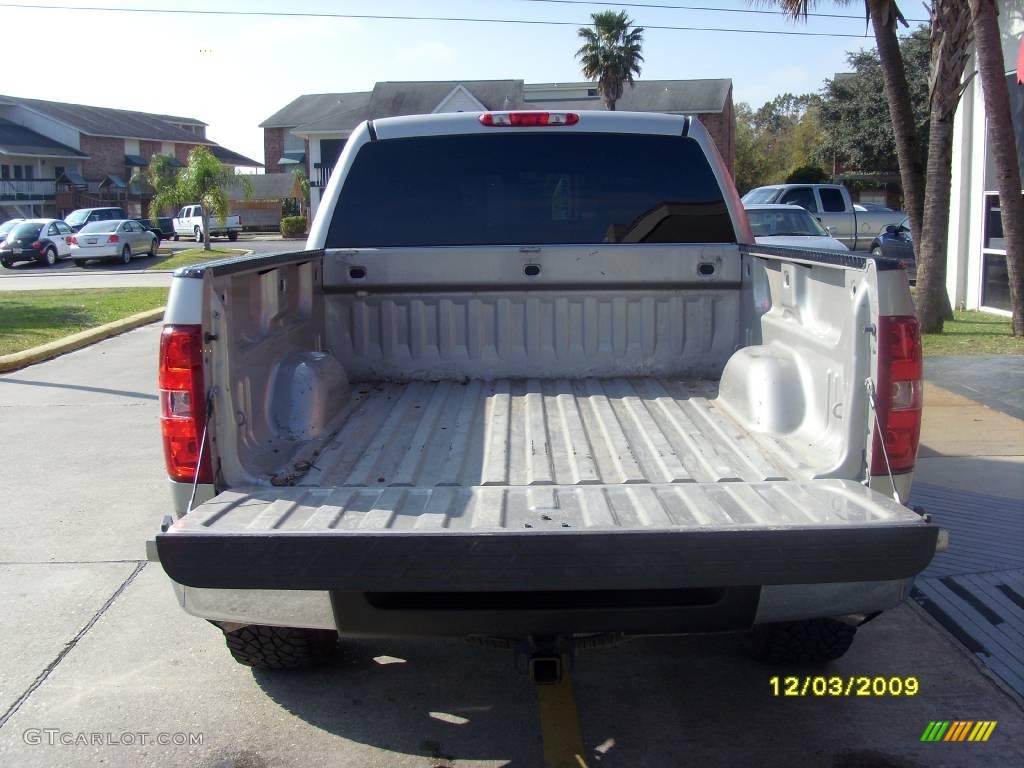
293, 226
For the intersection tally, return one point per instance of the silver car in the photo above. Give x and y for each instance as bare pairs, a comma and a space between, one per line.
116, 239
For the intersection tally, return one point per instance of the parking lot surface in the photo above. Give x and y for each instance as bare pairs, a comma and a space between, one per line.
96, 652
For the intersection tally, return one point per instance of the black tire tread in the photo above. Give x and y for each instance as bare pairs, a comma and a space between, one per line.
811, 641
281, 648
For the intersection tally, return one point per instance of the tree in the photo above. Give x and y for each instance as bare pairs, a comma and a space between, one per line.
611, 53
204, 180
857, 127
777, 139
947, 47
1003, 146
808, 174
160, 174
950, 34
300, 189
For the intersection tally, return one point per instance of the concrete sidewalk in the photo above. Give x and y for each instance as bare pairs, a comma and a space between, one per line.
970, 478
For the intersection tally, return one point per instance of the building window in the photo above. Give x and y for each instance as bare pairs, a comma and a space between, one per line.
5, 171
30, 172
995, 281
17, 172
131, 146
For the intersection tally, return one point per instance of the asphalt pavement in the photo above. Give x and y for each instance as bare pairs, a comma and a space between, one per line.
95, 652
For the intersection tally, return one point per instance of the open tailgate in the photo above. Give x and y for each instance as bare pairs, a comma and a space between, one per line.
506, 538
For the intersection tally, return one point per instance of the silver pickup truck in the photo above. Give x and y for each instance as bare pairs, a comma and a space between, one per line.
833, 207
532, 378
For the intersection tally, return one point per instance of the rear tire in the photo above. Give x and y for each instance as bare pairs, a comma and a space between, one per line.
800, 642
876, 252
50, 256
153, 248
5, 263
232, 236
281, 648
80, 263
174, 238
126, 255
198, 234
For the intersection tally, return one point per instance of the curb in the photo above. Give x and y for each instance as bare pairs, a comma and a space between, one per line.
16, 360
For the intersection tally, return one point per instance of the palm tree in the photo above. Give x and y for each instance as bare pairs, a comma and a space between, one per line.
300, 189
204, 180
1003, 145
611, 53
926, 195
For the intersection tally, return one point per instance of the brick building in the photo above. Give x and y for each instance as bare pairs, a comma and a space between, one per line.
55, 157
311, 131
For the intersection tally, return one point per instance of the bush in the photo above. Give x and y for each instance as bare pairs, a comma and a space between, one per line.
293, 226
808, 174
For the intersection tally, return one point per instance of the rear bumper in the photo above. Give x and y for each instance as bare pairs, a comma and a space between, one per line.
514, 561
110, 252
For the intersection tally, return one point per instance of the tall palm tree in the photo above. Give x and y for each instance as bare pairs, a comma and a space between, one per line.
611, 53
1003, 146
922, 191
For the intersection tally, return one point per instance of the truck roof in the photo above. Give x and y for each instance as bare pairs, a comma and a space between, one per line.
407, 126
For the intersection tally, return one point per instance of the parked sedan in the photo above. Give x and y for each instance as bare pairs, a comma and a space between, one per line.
7, 226
105, 240
896, 242
790, 226
42, 240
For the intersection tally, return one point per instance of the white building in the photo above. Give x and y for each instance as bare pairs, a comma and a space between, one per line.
976, 276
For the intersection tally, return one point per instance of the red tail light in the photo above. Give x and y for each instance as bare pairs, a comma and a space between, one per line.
113, 239
899, 396
37, 244
72, 240
527, 119
182, 403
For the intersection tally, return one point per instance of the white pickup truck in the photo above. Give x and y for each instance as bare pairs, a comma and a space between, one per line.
833, 207
189, 223
510, 392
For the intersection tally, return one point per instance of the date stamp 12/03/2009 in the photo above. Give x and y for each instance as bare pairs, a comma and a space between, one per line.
822, 686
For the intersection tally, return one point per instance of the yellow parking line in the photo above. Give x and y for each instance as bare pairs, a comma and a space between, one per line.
560, 724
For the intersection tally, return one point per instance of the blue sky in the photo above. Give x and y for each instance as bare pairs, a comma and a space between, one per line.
233, 72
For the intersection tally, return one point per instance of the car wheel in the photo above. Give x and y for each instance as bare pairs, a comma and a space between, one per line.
50, 256
281, 648
199, 235
232, 236
126, 255
154, 246
6, 263
174, 237
876, 252
798, 642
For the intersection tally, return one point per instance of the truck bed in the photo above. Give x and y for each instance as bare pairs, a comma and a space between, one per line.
588, 483
538, 432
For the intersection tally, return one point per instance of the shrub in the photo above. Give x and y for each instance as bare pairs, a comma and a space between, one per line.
293, 226
808, 174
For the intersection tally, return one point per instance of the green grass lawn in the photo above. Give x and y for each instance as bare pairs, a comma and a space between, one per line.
193, 256
31, 318
974, 333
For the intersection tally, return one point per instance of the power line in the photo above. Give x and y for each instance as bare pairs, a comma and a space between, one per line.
665, 6
383, 17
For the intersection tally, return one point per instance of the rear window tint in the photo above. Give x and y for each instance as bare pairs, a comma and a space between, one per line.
530, 188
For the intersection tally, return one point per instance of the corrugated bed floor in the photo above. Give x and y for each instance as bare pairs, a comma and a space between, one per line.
976, 588
551, 432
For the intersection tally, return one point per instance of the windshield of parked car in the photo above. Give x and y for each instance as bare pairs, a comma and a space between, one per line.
26, 229
760, 196
532, 188
7, 226
75, 218
779, 223
100, 226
